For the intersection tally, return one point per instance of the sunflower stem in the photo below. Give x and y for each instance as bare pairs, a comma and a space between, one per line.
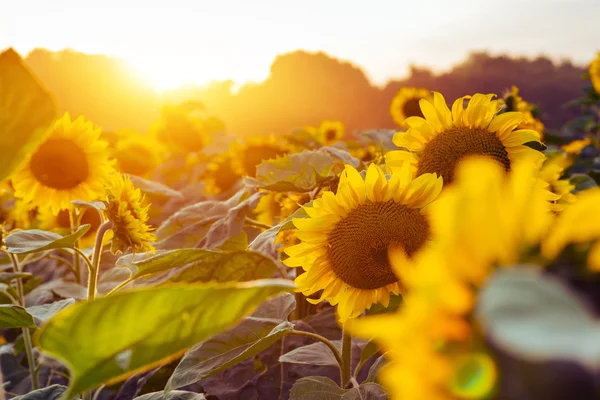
73, 219
120, 286
346, 356
327, 342
95, 264
257, 224
26, 332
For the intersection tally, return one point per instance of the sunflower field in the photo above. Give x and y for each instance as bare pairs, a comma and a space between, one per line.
455, 257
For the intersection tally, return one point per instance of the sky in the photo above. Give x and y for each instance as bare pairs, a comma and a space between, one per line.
174, 42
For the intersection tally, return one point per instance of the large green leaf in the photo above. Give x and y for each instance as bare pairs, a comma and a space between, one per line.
267, 325
534, 316
322, 388
111, 338
26, 110
15, 317
44, 312
297, 172
33, 240
204, 265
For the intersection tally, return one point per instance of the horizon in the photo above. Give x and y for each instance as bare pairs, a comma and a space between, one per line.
426, 34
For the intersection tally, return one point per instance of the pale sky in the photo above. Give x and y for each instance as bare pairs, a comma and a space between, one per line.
172, 42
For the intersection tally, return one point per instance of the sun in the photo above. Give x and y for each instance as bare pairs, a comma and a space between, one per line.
163, 73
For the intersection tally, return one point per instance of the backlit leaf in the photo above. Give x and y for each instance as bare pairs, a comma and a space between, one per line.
33, 240
111, 338
12, 316
26, 110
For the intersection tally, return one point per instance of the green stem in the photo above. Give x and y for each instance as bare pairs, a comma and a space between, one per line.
94, 266
327, 342
76, 262
120, 286
346, 356
257, 224
84, 256
26, 333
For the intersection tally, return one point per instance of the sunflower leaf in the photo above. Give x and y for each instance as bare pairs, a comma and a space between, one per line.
174, 395
53, 392
267, 325
6, 277
297, 172
536, 317
34, 240
155, 325
44, 312
200, 265
97, 205
154, 188
12, 316
26, 110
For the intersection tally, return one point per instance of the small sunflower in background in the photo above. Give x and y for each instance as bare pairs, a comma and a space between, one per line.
576, 146
330, 132
129, 216
405, 104
180, 128
220, 175
248, 155
595, 73
71, 164
437, 142
61, 223
274, 207
346, 239
137, 154
514, 102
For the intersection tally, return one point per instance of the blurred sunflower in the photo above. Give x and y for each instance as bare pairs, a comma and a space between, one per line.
576, 146
347, 237
405, 104
330, 132
514, 102
136, 154
275, 207
437, 142
61, 223
552, 171
180, 128
71, 164
486, 220
248, 155
220, 175
125, 209
595, 73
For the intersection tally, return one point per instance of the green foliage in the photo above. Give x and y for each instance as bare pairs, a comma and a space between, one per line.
12, 316
34, 240
53, 392
26, 110
322, 388
267, 325
154, 326
536, 317
200, 265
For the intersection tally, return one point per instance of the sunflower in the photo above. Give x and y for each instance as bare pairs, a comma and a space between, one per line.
124, 208
595, 73
514, 102
405, 104
576, 146
330, 132
180, 128
487, 219
220, 175
137, 155
552, 171
347, 237
71, 164
437, 142
61, 223
248, 155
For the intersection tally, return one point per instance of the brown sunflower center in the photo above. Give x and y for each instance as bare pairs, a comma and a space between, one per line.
225, 176
411, 108
358, 252
330, 135
60, 164
63, 219
93, 218
255, 155
443, 152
